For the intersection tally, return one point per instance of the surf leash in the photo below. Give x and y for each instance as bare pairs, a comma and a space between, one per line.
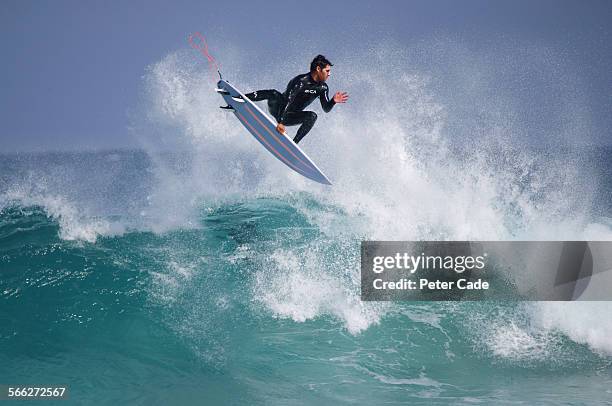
198, 42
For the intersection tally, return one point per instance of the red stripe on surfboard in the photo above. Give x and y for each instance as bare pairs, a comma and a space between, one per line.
274, 151
307, 165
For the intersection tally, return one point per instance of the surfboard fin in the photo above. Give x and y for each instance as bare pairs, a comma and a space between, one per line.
228, 107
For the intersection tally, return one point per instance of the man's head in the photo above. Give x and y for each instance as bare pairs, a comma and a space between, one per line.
320, 68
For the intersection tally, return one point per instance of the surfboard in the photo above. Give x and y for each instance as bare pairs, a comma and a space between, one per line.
263, 128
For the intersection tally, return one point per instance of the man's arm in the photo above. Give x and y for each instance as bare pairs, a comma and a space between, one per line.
326, 103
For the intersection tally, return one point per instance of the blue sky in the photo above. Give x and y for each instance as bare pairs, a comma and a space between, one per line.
72, 70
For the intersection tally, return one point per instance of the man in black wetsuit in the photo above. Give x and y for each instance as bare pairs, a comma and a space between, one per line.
287, 108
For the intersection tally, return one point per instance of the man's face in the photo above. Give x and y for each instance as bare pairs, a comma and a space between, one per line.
323, 73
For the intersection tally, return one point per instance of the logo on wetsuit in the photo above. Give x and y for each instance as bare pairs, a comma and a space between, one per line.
310, 91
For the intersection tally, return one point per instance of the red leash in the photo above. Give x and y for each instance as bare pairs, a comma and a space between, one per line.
202, 46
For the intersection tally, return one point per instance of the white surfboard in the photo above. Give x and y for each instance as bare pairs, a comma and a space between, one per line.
263, 128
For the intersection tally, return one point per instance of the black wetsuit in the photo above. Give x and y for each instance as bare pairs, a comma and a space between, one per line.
287, 108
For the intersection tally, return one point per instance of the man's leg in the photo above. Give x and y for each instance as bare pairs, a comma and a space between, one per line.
306, 118
262, 94
274, 97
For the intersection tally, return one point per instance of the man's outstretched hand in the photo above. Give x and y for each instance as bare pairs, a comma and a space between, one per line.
341, 97
281, 129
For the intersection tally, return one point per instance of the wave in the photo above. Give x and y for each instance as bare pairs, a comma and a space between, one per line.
73, 225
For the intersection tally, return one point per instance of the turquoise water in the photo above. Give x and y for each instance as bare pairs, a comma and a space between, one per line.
250, 300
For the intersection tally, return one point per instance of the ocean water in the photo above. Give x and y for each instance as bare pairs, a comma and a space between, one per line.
214, 275
252, 300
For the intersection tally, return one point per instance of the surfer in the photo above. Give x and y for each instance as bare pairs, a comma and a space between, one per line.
288, 107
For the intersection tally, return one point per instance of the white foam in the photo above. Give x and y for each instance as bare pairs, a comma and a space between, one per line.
584, 322
73, 224
301, 287
514, 342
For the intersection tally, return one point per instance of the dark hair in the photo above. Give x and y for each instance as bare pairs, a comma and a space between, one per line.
319, 61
